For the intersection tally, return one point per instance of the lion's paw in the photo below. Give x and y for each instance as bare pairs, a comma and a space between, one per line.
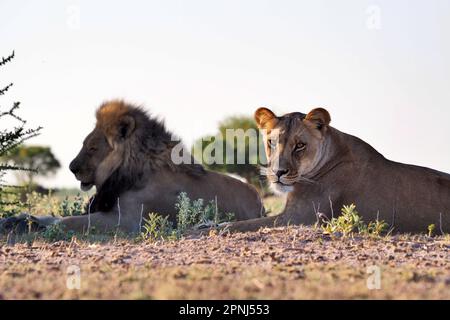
25, 223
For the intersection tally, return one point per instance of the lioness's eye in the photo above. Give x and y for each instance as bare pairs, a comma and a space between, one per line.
92, 149
300, 146
271, 143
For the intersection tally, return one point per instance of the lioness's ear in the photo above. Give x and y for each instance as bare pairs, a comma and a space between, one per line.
319, 116
262, 116
126, 126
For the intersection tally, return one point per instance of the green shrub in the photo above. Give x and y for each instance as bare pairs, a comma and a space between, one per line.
252, 156
194, 213
52, 204
350, 222
157, 227
431, 229
54, 233
190, 214
75, 207
376, 227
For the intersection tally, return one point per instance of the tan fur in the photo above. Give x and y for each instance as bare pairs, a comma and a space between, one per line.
336, 169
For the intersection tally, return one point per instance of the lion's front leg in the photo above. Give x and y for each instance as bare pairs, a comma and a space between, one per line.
25, 223
100, 221
256, 224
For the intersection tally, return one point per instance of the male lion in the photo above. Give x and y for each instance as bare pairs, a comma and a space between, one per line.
321, 168
127, 157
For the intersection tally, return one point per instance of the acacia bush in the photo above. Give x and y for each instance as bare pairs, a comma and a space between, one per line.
11, 138
249, 170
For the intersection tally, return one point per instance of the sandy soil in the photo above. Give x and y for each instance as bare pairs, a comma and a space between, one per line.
281, 263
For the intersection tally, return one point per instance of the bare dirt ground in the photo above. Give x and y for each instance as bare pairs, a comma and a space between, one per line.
281, 263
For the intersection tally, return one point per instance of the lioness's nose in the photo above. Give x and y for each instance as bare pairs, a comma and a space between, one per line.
281, 172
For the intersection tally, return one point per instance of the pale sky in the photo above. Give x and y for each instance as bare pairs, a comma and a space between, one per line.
381, 68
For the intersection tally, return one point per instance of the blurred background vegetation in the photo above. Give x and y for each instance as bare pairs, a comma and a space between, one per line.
253, 157
39, 161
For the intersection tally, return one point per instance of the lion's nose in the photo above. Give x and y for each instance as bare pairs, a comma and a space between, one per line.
281, 172
73, 167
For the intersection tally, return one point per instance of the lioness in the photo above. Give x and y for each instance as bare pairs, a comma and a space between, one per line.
127, 157
321, 168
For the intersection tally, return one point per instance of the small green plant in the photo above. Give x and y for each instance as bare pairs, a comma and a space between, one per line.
431, 229
54, 233
73, 207
156, 227
190, 213
193, 213
346, 223
376, 227
45, 204
350, 222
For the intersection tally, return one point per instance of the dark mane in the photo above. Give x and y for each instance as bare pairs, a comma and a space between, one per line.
149, 150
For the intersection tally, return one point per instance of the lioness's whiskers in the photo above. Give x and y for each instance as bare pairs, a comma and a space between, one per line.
300, 178
263, 171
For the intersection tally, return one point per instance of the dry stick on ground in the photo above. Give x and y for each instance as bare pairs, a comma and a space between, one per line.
393, 221
89, 214
216, 218
118, 207
140, 221
331, 207
11, 239
29, 223
317, 213
118, 221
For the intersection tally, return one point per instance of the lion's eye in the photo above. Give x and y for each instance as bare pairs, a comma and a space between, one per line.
92, 149
300, 146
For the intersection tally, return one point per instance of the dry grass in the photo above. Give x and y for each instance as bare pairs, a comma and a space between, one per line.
281, 263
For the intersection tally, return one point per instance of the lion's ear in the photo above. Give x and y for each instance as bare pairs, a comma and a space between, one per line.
126, 126
263, 116
319, 116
